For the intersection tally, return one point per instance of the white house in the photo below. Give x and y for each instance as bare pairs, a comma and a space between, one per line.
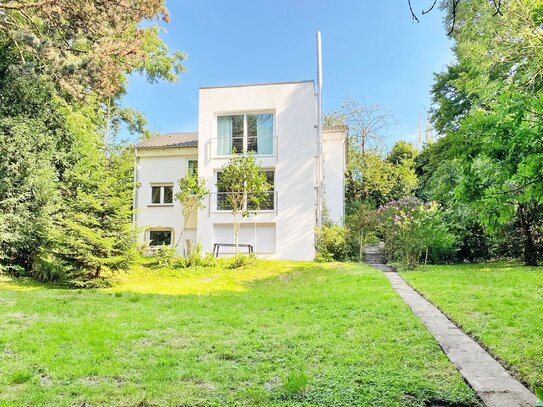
276, 122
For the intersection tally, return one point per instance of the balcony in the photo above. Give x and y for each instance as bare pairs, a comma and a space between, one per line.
219, 203
221, 148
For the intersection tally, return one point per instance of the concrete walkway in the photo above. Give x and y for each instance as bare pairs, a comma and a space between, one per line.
494, 385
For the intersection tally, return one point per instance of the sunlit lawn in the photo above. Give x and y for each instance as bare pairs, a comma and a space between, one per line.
279, 333
500, 304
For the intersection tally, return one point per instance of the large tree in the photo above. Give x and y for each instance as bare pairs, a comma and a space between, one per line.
89, 47
489, 104
65, 182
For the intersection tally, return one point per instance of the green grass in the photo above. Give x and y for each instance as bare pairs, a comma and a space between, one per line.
499, 304
277, 333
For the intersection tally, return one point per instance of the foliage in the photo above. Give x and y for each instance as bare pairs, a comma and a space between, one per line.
65, 180
331, 244
90, 48
165, 255
242, 260
155, 326
196, 259
373, 179
93, 229
247, 188
488, 105
192, 192
412, 230
361, 224
402, 153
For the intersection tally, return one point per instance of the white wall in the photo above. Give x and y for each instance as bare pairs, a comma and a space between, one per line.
334, 152
162, 166
295, 117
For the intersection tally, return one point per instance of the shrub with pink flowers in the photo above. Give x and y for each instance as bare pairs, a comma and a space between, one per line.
413, 230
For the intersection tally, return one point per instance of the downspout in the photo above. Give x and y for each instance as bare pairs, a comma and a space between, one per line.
135, 193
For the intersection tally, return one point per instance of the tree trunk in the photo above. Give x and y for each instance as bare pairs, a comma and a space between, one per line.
530, 252
236, 235
360, 251
426, 257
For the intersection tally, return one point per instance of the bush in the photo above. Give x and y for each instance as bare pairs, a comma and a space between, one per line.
165, 256
195, 259
413, 230
242, 261
332, 244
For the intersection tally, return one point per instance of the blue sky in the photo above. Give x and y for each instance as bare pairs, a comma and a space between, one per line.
371, 51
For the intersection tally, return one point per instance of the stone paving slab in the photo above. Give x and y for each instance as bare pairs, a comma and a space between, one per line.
490, 380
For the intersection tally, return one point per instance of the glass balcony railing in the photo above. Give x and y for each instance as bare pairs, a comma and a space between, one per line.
220, 202
240, 145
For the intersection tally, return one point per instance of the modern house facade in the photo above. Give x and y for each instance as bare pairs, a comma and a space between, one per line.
278, 124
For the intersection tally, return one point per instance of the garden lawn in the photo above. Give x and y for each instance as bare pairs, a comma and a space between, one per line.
499, 304
277, 333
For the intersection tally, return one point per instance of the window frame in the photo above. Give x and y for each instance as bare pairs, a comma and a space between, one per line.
245, 132
214, 208
189, 161
162, 186
160, 229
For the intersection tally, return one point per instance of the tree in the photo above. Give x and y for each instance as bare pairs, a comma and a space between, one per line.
89, 48
66, 188
489, 103
244, 189
192, 192
367, 123
452, 7
93, 235
402, 153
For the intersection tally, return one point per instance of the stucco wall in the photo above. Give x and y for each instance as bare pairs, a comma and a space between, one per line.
295, 116
162, 166
334, 153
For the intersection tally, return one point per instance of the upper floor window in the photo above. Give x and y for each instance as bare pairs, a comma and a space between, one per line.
245, 133
268, 204
192, 167
161, 194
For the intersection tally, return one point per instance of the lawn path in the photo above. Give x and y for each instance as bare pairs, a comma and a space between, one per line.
492, 382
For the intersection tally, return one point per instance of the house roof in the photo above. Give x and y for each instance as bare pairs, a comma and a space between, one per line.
170, 140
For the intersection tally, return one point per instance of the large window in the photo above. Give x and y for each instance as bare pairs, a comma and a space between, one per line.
160, 238
268, 205
245, 133
162, 194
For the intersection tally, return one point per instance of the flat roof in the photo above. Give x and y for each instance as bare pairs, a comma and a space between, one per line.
258, 84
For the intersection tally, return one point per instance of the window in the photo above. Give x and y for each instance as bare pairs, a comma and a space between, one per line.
268, 205
162, 194
192, 168
245, 133
160, 237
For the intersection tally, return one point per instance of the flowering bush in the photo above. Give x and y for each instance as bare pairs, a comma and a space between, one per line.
412, 229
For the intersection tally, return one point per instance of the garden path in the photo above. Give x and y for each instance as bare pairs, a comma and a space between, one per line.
490, 380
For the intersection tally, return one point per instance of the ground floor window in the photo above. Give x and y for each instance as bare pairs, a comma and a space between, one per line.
160, 237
